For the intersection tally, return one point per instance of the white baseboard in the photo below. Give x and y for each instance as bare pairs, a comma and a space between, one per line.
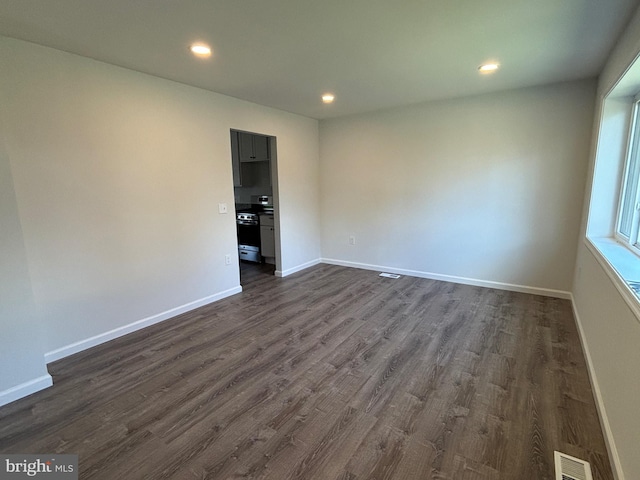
289, 271
618, 473
20, 391
137, 325
547, 292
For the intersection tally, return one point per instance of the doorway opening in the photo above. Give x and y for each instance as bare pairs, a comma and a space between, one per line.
255, 188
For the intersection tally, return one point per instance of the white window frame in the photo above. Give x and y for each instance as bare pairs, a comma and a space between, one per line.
631, 174
618, 126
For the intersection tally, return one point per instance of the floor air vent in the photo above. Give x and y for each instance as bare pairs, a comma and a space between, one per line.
571, 468
389, 275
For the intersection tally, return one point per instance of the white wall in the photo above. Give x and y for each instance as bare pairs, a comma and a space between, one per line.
611, 332
486, 188
118, 176
22, 369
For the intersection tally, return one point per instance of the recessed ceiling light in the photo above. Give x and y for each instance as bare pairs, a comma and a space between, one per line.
328, 98
200, 50
488, 67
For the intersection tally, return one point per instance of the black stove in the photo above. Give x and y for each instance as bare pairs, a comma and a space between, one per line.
248, 228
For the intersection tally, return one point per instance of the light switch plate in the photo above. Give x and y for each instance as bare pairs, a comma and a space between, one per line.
222, 208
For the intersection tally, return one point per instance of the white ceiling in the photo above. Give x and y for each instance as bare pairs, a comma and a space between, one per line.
371, 54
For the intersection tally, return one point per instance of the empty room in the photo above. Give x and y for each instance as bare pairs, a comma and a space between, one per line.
337, 240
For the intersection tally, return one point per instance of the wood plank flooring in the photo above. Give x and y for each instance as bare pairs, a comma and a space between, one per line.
332, 374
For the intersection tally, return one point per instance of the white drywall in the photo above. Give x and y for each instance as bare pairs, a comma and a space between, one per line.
612, 335
486, 188
118, 176
22, 368
611, 331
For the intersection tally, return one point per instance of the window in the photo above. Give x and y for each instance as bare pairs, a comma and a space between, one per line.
613, 221
628, 224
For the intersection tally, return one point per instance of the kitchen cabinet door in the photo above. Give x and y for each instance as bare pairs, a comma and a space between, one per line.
267, 242
235, 160
261, 148
245, 147
253, 148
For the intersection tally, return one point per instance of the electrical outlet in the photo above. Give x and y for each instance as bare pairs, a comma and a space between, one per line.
222, 208
352, 240
227, 259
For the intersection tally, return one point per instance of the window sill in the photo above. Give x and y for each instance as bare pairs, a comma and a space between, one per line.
621, 265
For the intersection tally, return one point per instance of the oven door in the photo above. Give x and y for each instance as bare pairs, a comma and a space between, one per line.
249, 235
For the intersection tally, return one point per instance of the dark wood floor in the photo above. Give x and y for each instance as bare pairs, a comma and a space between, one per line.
332, 374
250, 272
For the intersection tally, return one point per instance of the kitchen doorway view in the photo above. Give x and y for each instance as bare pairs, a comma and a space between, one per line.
254, 158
